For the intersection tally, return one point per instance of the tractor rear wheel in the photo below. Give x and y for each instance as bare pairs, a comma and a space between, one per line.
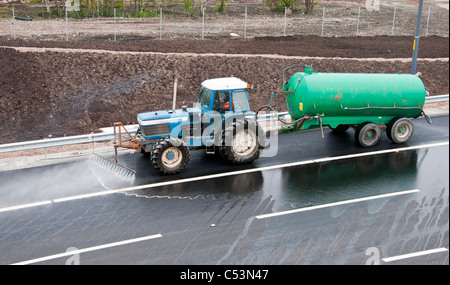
170, 155
244, 147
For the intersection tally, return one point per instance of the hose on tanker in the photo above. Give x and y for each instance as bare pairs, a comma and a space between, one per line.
422, 112
268, 107
426, 117
290, 67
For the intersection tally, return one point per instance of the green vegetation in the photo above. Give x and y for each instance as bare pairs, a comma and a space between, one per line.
306, 6
221, 5
47, 9
100, 8
188, 6
3, 13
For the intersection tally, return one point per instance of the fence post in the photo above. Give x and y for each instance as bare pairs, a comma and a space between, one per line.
393, 21
285, 14
323, 19
357, 25
115, 28
245, 24
428, 21
203, 23
67, 28
160, 23
14, 24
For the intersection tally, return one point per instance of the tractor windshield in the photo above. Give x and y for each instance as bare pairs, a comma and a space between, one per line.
240, 101
204, 99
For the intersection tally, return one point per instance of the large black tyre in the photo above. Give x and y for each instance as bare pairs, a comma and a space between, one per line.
170, 155
389, 127
368, 134
340, 129
240, 142
399, 129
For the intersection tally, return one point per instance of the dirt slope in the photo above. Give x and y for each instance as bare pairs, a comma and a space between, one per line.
358, 47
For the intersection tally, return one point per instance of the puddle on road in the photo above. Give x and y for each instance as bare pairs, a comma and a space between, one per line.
320, 183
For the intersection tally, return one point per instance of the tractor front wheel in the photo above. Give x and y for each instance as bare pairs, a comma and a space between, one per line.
170, 155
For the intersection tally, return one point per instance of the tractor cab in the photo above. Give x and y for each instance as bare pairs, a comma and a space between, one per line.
220, 101
224, 95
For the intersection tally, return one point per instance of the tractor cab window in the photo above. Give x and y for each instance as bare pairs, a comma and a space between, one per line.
240, 101
204, 99
223, 99
217, 106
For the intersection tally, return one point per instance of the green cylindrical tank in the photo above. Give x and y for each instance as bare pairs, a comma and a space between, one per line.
344, 95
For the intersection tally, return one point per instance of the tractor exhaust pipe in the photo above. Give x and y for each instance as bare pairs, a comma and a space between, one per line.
174, 95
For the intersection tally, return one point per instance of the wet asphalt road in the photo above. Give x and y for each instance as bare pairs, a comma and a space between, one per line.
220, 220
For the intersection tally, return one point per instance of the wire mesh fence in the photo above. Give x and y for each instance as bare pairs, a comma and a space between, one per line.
239, 20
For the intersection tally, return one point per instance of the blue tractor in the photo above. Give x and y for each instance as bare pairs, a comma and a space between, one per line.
220, 123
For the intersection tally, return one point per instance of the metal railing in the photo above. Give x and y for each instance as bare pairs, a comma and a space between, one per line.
55, 142
108, 134
436, 99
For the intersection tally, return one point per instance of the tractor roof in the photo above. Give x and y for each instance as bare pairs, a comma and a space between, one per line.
226, 83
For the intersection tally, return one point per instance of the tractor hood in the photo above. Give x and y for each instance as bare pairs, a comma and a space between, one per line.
165, 117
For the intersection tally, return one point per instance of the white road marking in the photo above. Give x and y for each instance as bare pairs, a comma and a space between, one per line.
380, 152
225, 174
265, 216
95, 194
23, 206
70, 253
414, 254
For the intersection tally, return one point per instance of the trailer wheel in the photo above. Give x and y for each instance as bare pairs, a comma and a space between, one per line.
399, 130
368, 134
244, 146
340, 129
170, 155
389, 127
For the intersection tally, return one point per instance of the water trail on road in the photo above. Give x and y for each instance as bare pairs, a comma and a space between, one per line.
165, 196
241, 235
113, 169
